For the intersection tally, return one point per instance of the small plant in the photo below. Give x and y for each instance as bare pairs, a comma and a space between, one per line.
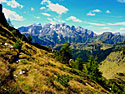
49, 63
14, 32
18, 44
23, 61
64, 79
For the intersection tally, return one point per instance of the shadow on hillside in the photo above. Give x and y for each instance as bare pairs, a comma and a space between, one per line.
84, 54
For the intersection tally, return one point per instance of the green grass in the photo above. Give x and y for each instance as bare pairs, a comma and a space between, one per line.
113, 64
40, 68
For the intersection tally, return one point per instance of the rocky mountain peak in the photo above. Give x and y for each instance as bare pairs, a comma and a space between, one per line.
60, 33
37, 24
2, 17
0, 7
117, 33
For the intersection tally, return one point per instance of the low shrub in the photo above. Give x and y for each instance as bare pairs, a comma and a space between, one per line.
64, 79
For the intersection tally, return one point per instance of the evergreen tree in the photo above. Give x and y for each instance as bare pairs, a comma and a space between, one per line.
91, 68
29, 38
64, 54
79, 63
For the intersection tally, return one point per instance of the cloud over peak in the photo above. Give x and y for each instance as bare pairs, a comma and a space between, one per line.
106, 28
74, 19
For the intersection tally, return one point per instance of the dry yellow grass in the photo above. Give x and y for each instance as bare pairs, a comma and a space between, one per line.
41, 72
113, 64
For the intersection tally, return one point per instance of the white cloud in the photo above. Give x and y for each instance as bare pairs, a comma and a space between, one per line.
59, 9
90, 14
37, 17
108, 11
53, 22
119, 23
32, 9
4, 1
74, 19
46, 14
105, 28
42, 8
12, 15
122, 29
45, 1
121, 1
96, 10
12, 3
97, 24
49, 19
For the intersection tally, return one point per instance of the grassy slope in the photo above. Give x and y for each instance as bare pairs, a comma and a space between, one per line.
41, 71
86, 46
89, 46
84, 50
113, 64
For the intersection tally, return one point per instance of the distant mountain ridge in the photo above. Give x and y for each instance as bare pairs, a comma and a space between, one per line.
50, 35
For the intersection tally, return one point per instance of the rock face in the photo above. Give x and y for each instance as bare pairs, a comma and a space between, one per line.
0, 8
111, 38
50, 35
32, 29
2, 17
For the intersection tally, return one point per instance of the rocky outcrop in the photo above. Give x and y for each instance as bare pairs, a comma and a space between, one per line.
3, 20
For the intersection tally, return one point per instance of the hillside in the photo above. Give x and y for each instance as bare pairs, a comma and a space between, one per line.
50, 35
91, 46
29, 69
84, 50
114, 65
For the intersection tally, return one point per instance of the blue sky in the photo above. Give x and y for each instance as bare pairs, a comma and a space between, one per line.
96, 15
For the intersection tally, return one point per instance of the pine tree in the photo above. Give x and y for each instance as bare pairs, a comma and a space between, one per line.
64, 54
29, 38
79, 63
91, 68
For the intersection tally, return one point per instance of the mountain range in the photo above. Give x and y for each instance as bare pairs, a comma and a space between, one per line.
50, 35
